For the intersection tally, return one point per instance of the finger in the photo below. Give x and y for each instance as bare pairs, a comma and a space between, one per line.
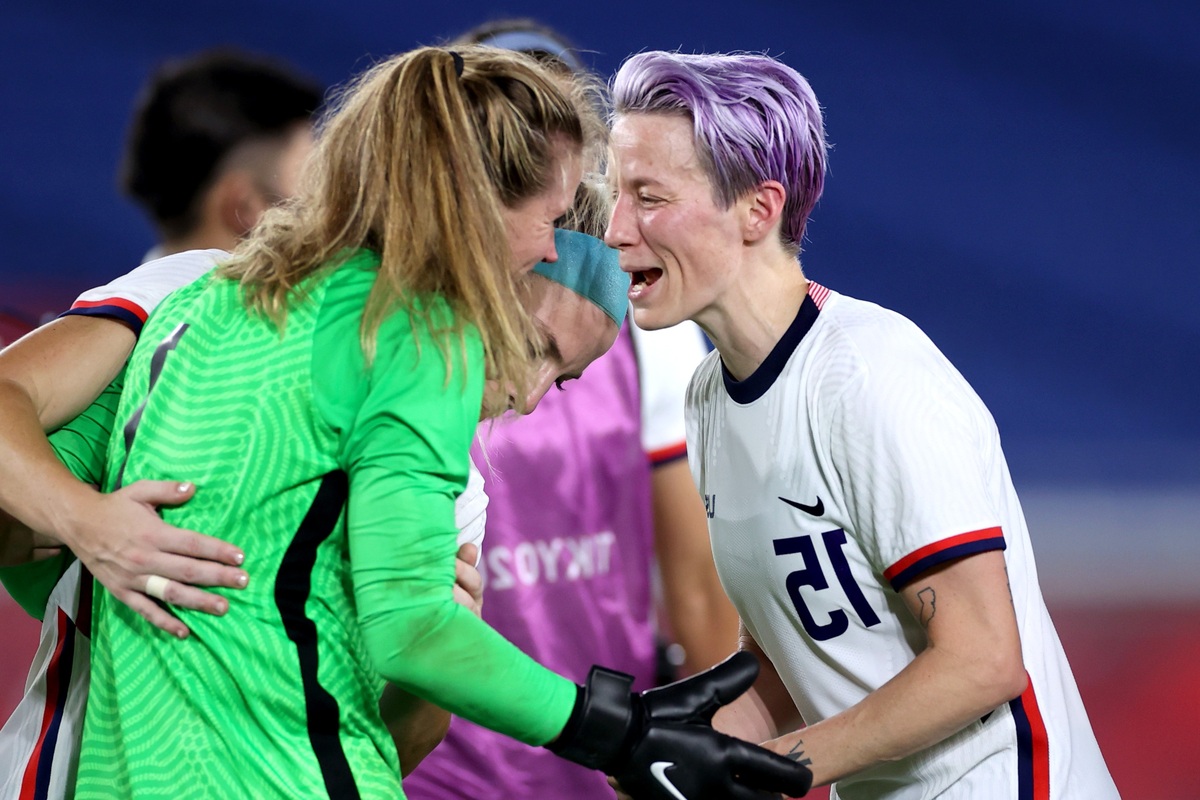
467, 601
197, 545
469, 579
469, 553
184, 596
733, 676
195, 572
697, 698
154, 614
615, 785
160, 493
180, 540
761, 769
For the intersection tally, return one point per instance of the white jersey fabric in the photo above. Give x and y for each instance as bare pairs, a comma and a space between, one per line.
39, 744
666, 359
131, 297
853, 460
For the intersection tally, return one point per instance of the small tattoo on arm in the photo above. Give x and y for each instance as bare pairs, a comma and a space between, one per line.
797, 754
928, 598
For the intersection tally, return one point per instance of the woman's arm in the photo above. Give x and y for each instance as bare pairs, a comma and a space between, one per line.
702, 619
46, 378
971, 664
417, 726
766, 710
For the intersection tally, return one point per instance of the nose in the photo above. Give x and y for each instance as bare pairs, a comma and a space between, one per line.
537, 392
550, 254
620, 231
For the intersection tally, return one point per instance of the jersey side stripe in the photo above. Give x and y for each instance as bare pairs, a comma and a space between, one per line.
293, 585
1033, 747
906, 569
35, 785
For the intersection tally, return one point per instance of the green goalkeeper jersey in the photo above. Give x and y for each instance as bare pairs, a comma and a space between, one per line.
338, 480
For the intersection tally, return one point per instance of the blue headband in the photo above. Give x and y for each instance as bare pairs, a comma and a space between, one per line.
533, 42
589, 268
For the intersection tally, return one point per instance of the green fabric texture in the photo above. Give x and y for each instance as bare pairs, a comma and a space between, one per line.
30, 584
349, 586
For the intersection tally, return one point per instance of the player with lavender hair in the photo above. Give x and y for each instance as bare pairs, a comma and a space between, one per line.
862, 516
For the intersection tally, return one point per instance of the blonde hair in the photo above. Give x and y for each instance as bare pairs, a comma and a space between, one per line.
415, 162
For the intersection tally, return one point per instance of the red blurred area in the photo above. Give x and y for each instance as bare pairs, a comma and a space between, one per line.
12, 327
1138, 669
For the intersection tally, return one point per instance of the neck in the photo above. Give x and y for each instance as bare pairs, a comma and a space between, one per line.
754, 314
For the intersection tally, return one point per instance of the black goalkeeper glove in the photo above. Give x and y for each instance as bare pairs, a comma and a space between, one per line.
660, 744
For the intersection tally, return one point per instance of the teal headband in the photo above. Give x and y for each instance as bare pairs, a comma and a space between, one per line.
588, 267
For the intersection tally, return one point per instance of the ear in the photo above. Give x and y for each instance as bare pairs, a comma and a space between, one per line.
763, 210
236, 203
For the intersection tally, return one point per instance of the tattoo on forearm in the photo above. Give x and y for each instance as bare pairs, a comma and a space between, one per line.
797, 754
928, 598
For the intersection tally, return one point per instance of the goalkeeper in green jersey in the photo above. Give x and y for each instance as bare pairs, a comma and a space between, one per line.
323, 389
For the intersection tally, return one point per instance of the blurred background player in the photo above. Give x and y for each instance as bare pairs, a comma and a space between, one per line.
215, 140
587, 499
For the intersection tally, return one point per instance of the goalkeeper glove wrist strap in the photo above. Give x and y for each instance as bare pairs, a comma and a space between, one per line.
601, 721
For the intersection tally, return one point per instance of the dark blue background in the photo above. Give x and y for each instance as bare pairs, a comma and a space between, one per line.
1021, 179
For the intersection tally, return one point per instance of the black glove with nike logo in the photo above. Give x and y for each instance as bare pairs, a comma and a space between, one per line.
660, 744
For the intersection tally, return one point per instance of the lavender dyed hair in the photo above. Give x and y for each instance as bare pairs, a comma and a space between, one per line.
755, 119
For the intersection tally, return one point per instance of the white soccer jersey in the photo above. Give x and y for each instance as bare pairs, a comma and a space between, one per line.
853, 460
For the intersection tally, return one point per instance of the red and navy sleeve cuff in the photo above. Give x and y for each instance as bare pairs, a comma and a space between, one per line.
666, 455
906, 570
116, 308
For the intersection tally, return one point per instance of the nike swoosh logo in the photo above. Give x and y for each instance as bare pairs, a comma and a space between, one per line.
816, 510
659, 770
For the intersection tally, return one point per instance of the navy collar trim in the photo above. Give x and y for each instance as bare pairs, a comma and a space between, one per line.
763, 378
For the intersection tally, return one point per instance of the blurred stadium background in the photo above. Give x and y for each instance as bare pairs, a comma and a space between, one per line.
1021, 179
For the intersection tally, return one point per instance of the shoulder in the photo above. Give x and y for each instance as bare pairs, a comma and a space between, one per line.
856, 341
872, 360
132, 297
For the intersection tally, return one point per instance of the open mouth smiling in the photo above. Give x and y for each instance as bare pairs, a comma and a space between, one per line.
642, 279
